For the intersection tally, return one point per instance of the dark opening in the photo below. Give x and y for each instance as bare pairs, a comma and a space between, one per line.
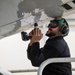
73, 1
66, 6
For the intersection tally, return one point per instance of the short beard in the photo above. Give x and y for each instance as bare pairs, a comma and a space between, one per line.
50, 34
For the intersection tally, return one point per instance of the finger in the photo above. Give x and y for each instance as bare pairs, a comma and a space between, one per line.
39, 32
36, 31
31, 33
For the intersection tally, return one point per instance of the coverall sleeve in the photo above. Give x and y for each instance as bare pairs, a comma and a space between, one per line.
35, 54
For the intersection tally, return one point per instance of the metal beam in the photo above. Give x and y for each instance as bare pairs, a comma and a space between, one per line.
53, 60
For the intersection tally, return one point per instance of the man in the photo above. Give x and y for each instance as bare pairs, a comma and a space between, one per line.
55, 47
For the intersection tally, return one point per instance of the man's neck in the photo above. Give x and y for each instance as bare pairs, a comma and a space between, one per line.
56, 36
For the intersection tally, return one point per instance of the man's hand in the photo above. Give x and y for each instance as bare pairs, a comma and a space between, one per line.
36, 35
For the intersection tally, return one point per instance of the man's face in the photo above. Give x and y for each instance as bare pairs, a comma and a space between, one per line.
53, 30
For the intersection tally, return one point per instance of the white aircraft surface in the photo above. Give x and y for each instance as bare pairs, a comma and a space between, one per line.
20, 15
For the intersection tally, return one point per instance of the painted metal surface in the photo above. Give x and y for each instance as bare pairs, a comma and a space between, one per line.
19, 15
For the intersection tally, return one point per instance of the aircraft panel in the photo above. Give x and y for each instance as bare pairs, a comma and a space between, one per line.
19, 15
